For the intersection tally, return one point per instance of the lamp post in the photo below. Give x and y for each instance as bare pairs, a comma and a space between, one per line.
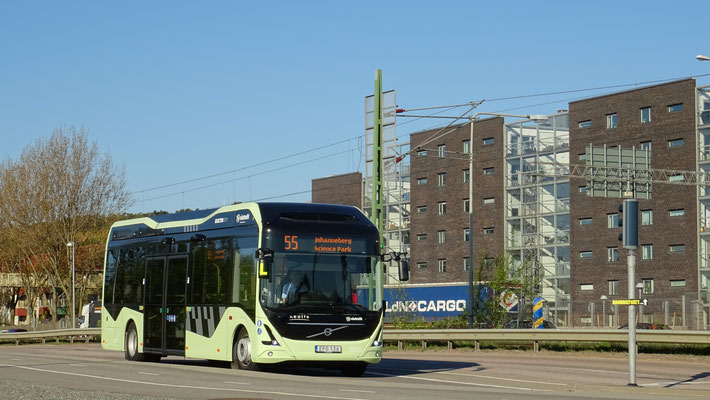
473, 119
73, 285
604, 318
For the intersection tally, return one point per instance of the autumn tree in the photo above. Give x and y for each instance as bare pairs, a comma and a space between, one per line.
60, 190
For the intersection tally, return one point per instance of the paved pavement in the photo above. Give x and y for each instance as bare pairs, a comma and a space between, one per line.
85, 371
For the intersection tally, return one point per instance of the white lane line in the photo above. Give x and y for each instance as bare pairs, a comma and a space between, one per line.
148, 373
237, 383
77, 365
315, 396
676, 383
16, 359
357, 391
460, 383
476, 375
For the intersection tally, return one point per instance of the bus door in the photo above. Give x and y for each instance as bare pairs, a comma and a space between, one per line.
164, 312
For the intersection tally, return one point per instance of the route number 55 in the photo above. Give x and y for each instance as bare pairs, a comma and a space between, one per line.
290, 243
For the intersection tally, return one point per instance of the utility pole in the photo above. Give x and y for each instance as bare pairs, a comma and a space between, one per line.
377, 166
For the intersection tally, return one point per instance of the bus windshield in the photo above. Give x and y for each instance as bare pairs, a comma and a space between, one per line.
321, 283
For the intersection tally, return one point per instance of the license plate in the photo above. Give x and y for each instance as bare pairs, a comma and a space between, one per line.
329, 349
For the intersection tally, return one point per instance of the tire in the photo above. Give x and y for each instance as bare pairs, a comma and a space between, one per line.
131, 344
241, 352
353, 369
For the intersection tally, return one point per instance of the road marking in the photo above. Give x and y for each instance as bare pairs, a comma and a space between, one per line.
237, 383
16, 359
676, 383
315, 396
461, 383
476, 375
77, 365
358, 391
148, 373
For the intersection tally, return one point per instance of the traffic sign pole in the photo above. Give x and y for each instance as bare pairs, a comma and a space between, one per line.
631, 267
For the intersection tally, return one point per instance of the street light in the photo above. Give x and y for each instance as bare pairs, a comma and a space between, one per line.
701, 57
473, 119
73, 285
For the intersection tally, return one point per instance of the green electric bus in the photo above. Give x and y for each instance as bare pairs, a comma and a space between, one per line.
252, 284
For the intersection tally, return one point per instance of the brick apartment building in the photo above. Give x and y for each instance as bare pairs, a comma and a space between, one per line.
547, 221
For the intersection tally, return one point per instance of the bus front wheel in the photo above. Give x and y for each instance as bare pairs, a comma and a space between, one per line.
241, 352
131, 344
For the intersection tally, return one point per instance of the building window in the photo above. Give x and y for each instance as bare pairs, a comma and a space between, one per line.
421, 265
612, 221
488, 171
488, 141
466, 205
442, 179
422, 209
678, 212
488, 231
611, 121
647, 252
676, 248
489, 200
585, 221
613, 288
466, 234
421, 153
675, 142
442, 151
421, 181
585, 254
645, 115
421, 237
582, 157
585, 287
675, 107
442, 237
442, 207
583, 189
648, 286
612, 254
678, 283
585, 124
466, 264
442, 265
646, 145
646, 217
466, 176
466, 146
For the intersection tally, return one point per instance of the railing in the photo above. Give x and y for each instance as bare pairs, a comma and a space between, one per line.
84, 334
535, 336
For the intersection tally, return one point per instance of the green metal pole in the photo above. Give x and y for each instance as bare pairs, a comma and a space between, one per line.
376, 215
377, 158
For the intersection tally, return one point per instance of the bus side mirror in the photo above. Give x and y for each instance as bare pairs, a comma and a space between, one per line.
403, 271
266, 259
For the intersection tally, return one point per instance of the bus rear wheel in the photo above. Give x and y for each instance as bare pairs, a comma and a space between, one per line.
131, 344
353, 369
241, 352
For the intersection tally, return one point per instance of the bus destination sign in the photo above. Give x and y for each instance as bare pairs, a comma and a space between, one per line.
324, 244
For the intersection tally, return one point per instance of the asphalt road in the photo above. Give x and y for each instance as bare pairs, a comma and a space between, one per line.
85, 371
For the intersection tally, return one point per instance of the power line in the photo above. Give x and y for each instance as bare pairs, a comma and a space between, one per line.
246, 167
247, 176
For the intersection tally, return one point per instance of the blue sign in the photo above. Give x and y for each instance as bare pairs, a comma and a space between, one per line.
428, 302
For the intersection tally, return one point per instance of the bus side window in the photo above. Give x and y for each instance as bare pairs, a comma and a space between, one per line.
236, 273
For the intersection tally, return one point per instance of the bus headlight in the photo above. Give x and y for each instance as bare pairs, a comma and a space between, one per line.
274, 342
377, 343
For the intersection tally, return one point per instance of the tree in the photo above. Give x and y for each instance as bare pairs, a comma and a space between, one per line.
60, 190
502, 277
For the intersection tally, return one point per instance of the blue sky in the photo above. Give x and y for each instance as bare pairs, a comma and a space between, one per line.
179, 90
